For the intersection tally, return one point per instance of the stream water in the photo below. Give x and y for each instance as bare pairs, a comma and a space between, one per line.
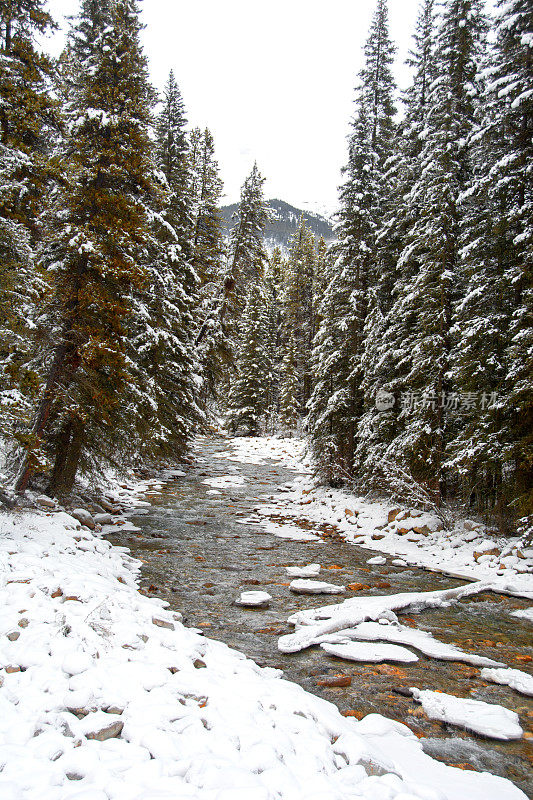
198, 555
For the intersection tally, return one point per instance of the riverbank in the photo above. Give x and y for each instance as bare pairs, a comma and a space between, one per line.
460, 547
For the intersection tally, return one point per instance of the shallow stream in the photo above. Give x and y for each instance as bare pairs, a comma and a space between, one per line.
199, 556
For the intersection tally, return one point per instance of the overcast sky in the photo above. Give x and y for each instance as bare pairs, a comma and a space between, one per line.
273, 80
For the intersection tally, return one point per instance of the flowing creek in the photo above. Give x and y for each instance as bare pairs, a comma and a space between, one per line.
198, 555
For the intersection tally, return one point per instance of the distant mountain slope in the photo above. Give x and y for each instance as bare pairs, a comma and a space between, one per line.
285, 223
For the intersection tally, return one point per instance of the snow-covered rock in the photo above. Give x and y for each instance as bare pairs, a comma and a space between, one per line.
486, 719
312, 624
524, 613
103, 519
365, 651
84, 517
515, 678
420, 640
225, 481
254, 599
304, 586
288, 531
45, 502
310, 571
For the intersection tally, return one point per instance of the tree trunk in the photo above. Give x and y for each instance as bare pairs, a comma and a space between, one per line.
68, 454
64, 365
62, 446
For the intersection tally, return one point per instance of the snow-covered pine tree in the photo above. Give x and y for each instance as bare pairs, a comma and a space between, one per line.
250, 389
208, 253
429, 261
173, 160
335, 416
289, 388
28, 120
319, 280
387, 330
274, 276
161, 332
330, 409
98, 242
514, 82
298, 309
206, 191
492, 358
247, 255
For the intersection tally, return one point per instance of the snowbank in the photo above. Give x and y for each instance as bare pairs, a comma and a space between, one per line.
105, 695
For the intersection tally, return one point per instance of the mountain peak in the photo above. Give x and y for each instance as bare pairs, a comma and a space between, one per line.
284, 223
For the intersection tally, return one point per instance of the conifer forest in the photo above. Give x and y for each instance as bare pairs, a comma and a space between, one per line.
403, 350
214, 415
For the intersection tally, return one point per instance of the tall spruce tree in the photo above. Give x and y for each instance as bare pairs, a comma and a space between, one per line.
206, 190
361, 197
299, 308
429, 261
28, 121
493, 447
250, 388
98, 244
388, 326
208, 254
247, 254
173, 159
162, 329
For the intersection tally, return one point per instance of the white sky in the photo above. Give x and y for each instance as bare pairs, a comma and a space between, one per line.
272, 79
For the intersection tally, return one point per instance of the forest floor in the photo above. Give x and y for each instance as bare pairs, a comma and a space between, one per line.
106, 695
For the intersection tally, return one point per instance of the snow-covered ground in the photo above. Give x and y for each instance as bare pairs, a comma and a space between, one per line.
105, 695
467, 550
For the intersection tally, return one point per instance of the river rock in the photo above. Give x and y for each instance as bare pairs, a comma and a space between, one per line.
163, 623
101, 726
45, 502
83, 516
486, 548
103, 519
336, 681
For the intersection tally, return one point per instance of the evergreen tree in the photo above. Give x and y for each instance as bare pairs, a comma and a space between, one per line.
162, 334
298, 308
389, 322
173, 159
361, 197
98, 238
330, 410
206, 191
247, 254
429, 261
208, 252
493, 447
514, 80
250, 389
28, 120
289, 400
274, 277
